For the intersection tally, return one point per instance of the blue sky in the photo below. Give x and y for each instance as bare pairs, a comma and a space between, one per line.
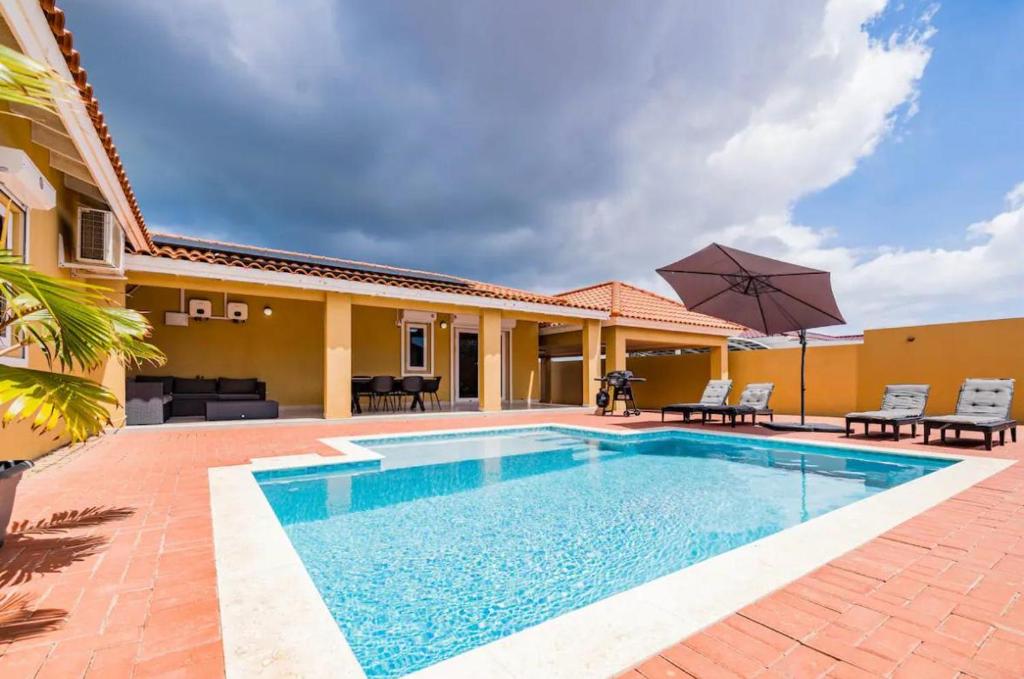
553, 145
953, 162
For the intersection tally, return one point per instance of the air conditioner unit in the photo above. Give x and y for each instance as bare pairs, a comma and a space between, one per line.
20, 175
200, 308
99, 241
238, 312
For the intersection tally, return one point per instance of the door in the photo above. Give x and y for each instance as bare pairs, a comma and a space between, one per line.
467, 361
467, 365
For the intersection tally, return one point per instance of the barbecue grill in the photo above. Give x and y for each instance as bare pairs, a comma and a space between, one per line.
621, 384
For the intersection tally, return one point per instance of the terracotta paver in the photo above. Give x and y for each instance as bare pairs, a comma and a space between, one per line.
110, 571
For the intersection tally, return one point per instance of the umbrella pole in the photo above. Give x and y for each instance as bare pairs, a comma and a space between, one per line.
803, 369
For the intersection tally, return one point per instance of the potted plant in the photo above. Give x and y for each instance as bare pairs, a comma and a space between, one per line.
72, 324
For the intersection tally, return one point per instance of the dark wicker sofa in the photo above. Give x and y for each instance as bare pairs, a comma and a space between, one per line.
188, 396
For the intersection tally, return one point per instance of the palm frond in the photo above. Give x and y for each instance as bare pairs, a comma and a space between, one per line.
48, 399
72, 322
26, 81
130, 329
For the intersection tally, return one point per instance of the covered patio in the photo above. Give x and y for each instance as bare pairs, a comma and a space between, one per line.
640, 323
326, 338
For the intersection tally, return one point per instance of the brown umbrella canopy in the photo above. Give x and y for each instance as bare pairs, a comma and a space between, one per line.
759, 292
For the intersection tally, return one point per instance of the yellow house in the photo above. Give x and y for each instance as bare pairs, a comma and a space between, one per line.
307, 325
312, 323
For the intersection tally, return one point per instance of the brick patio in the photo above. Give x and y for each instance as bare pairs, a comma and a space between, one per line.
110, 572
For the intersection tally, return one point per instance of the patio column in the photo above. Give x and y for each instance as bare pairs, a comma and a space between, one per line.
112, 373
337, 355
489, 362
720, 362
545, 379
591, 344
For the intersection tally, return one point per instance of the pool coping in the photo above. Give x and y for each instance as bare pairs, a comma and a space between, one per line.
275, 623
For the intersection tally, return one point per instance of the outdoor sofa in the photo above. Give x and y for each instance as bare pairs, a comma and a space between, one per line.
151, 399
983, 406
754, 401
902, 404
715, 394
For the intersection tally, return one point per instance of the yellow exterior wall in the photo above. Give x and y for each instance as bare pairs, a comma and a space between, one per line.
840, 378
943, 355
566, 382
376, 341
18, 440
670, 379
831, 377
285, 350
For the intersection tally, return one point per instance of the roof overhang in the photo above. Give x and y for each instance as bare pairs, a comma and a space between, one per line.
620, 321
176, 267
32, 31
624, 321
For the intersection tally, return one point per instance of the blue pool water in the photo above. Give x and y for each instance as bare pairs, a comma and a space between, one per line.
456, 541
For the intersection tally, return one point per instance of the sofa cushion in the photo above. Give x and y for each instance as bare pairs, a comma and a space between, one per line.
194, 386
227, 385
186, 396
238, 397
168, 382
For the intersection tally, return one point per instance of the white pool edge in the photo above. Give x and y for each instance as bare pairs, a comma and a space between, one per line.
276, 624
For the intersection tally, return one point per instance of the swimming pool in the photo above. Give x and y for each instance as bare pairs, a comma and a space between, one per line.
452, 542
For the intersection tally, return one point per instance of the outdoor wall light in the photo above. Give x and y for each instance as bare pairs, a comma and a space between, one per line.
267, 311
444, 325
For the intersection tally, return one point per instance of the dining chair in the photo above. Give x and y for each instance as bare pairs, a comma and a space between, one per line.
431, 387
382, 390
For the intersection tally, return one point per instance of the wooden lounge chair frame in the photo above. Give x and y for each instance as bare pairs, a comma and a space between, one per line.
688, 409
897, 398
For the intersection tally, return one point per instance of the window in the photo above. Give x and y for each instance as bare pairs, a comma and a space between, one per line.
14, 228
416, 345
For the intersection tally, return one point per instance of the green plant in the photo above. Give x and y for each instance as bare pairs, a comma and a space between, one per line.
74, 324
75, 327
26, 81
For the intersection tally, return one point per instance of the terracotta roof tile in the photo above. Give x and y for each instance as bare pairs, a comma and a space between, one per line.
65, 41
170, 246
628, 301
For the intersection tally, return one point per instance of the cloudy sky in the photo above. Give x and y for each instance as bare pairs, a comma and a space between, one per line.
552, 145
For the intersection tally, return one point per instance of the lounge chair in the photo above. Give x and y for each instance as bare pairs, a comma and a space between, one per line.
983, 406
901, 404
753, 402
714, 394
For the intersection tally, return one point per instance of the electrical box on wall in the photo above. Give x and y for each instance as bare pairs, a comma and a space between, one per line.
200, 308
238, 311
176, 318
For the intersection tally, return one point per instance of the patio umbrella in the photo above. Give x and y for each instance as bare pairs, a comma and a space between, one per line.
758, 292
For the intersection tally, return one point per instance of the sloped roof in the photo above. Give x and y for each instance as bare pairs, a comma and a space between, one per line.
628, 301
186, 248
65, 41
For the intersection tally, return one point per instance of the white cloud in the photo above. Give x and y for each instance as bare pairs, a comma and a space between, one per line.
282, 50
549, 146
730, 161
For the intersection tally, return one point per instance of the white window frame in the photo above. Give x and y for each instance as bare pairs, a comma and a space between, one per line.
428, 350
20, 359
